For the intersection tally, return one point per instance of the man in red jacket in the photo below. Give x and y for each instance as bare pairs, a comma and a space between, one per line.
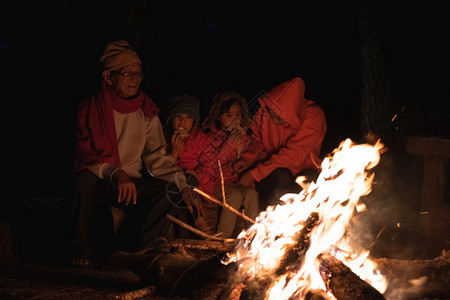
288, 131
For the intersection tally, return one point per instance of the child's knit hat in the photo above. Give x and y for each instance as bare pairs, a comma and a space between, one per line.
183, 104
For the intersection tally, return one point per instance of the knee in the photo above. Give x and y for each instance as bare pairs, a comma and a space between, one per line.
280, 178
234, 198
251, 193
85, 179
282, 175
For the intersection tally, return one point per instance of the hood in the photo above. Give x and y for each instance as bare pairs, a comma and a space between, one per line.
216, 107
288, 101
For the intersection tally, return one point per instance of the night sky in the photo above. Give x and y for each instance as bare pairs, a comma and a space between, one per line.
50, 49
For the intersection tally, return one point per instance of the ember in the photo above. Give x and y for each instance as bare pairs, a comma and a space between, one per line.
289, 250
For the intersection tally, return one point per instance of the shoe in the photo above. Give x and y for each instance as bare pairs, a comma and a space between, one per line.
201, 225
81, 261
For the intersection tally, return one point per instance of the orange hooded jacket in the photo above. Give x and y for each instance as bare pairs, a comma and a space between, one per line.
295, 145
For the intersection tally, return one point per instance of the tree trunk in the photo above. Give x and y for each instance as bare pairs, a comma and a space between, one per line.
375, 79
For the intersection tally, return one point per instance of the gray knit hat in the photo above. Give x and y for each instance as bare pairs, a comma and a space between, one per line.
183, 104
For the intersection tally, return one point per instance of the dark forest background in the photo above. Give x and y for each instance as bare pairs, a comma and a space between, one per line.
50, 50
371, 65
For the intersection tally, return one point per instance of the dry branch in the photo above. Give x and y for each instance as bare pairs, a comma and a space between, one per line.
222, 182
195, 230
242, 215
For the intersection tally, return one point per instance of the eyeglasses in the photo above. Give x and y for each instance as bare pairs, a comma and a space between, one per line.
128, 76
276, 118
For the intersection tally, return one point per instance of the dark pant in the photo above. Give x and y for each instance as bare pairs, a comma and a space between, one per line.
93, 228
281, 181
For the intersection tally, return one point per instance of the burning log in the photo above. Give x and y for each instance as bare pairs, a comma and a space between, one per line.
290, 262
339, 279
343, 283
296, 253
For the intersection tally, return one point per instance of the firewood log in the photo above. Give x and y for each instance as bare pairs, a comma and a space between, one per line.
343, 283
196, 246
179, 266
296, 252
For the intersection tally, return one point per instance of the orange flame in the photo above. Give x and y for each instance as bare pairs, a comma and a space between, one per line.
263, 248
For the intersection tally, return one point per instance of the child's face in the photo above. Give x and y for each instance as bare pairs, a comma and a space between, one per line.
183, 120
232, 118
276, 118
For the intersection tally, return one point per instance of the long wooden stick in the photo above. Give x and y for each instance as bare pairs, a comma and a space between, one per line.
222, 183
232, 209
195, 230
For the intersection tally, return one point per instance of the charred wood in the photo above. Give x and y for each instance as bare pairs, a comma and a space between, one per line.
196, 247
343, 283
291, 261
293, 257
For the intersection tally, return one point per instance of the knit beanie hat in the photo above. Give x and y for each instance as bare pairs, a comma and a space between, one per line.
118, 54
183, 104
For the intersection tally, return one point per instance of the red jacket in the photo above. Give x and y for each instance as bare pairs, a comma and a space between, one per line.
202, 152
295, 145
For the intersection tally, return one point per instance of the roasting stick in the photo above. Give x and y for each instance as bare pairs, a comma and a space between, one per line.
224, 205
224, 199
195, 230
221, 181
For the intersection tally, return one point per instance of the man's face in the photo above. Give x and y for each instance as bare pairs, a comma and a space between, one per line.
126, 81
276, 118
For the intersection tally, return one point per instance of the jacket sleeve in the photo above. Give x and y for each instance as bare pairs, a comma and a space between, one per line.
255, 146
156, 160
189, 156
299, 148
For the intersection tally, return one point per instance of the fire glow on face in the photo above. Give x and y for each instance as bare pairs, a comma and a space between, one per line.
281, 250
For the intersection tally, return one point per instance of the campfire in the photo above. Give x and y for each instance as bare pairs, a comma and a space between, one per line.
301, 247
304, 248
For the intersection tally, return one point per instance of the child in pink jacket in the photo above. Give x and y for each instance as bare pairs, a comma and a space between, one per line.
224, 138
182, 120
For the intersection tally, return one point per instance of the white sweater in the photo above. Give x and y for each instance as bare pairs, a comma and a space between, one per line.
139, 136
